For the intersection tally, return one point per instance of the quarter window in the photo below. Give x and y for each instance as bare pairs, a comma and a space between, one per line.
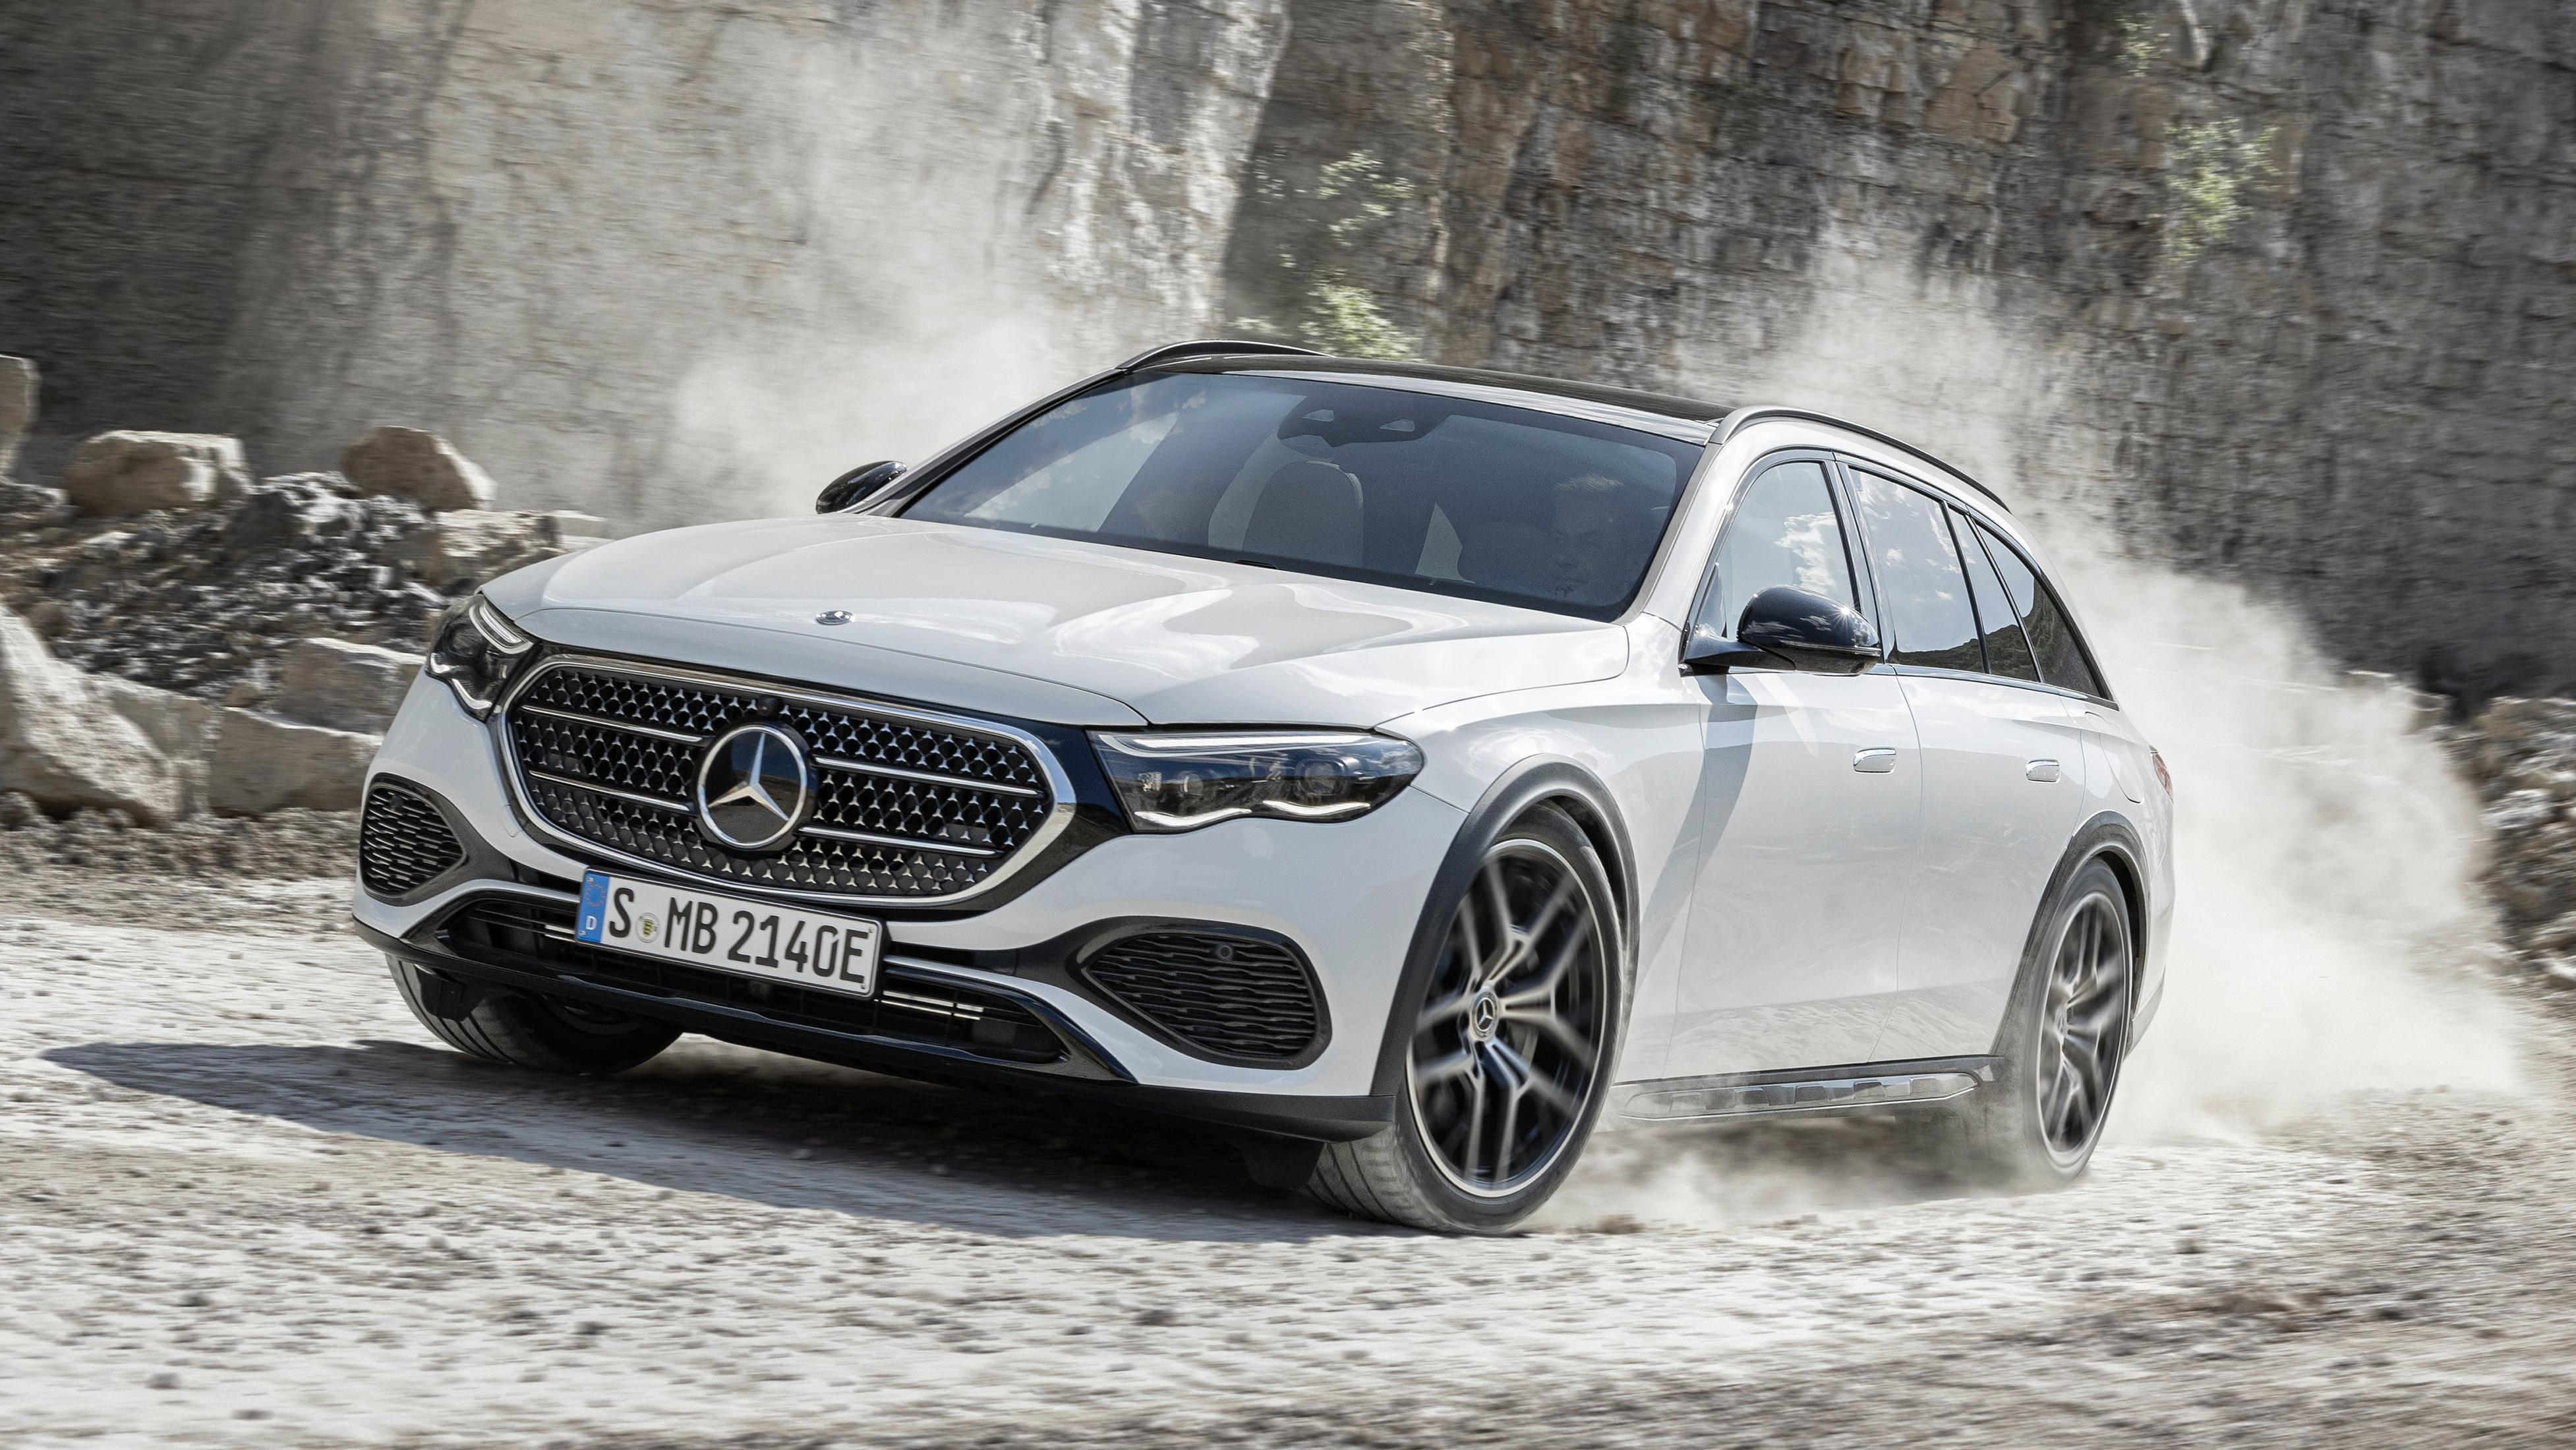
2061, 657
2007, 651
1922, 591
1785, 532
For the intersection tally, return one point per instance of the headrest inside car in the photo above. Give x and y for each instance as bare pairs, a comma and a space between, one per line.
1308, 510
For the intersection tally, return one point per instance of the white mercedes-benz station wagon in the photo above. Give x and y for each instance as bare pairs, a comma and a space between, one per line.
1410, 770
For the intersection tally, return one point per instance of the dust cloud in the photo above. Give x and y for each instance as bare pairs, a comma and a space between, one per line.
2328, 922
927, 303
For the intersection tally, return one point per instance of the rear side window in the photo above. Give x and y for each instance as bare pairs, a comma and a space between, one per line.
2062, 661
1785, 532
2007, 651
1922, 592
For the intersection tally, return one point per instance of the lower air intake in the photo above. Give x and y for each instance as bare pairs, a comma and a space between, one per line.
1224, 996
403, 842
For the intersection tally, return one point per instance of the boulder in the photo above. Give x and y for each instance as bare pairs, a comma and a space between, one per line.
66, 743
409, 463
289, 512
343, 686
132, 473
260, 763
580, 531
17, 407
467, 546
176, 725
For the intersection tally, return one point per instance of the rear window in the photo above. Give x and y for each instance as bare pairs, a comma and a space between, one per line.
1424, 492
2062, 661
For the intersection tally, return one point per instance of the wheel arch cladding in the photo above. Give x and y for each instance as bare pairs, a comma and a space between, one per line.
2112, 840
1524, 787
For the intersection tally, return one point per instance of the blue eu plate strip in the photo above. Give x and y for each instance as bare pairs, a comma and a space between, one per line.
594, 904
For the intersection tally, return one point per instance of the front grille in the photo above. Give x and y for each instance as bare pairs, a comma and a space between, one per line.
908, 1007
1226, 995
904, 808
403, 842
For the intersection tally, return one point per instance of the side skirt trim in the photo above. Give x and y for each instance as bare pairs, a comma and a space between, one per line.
1801, 1090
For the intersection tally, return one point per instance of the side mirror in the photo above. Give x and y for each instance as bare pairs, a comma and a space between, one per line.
858, 486
1787, 628
1706, 652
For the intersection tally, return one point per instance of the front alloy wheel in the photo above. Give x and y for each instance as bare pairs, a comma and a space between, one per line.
1505, 1052
1507, 1046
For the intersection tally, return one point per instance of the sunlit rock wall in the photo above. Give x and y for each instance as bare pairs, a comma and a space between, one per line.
2277, 288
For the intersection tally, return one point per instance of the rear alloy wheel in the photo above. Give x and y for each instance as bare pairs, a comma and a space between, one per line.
2083, 1027
2064, 1041
1510, 1044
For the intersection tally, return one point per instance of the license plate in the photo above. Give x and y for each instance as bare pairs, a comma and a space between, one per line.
749, 938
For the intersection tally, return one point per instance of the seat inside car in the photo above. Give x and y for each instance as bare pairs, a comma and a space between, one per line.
1308, 510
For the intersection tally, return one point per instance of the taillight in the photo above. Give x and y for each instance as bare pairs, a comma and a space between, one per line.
2164, 777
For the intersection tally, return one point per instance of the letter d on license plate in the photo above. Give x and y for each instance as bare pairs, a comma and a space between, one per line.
727, 934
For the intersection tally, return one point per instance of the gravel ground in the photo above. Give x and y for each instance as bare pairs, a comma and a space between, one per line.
244, 1200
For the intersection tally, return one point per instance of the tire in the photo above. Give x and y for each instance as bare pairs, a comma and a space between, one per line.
1516, 1031
524, 1030
2064, 1039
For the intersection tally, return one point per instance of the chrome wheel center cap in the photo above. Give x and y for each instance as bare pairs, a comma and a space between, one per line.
1485, 1018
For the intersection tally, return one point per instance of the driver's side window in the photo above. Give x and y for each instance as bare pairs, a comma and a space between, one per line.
1786, 531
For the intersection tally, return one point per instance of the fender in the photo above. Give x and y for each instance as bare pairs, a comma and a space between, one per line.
1526, 784
2107, 834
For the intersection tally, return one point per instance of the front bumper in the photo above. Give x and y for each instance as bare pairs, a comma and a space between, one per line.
1085, 1071
1348, 895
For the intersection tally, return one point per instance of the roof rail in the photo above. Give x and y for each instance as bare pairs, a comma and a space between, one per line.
1741, 416
1207, 347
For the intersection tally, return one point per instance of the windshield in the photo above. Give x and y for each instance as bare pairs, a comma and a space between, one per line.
1425, 492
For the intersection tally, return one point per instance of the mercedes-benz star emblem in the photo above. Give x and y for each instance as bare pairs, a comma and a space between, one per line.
754, 788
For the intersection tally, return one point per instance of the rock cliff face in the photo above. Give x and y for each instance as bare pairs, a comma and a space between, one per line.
2279, 288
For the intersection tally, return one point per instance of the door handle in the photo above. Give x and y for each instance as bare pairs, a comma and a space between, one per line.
2042, 770
1877, 760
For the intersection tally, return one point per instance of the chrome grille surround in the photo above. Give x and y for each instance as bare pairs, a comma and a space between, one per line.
915, 807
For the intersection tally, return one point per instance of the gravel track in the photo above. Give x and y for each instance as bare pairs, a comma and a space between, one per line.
244, 1200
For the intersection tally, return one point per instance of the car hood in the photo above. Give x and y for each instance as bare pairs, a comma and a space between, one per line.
1053, 629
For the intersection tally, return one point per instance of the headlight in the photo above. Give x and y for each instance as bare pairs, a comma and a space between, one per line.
475, 651
1182, 782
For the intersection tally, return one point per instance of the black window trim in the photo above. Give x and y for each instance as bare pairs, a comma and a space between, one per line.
1951, 502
